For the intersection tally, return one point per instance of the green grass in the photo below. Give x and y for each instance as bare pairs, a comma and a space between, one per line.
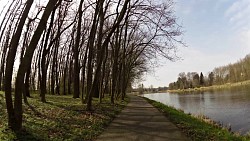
196, 128
61, 118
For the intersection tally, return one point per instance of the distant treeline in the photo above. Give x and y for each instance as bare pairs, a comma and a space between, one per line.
231, 73
141, 89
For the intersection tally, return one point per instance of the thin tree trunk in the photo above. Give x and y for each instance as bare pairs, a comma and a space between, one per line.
83, 74
26, 92
43, 87
70, 76
90, 58
3, 59
76, 53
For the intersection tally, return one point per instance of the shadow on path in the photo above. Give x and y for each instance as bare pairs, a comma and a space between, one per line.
140, 121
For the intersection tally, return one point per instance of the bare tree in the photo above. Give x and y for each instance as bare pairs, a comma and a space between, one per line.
26, 62
76, 52
14, 112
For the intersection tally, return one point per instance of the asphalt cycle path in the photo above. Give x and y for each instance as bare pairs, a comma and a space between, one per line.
140, 121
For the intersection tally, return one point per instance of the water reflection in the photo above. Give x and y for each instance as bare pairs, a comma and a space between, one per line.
231, 106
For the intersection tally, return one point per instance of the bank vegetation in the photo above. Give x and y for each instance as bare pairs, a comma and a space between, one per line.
198, 128
235, 74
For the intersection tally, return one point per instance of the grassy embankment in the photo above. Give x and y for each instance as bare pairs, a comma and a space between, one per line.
197, 128
214, 87
61, 118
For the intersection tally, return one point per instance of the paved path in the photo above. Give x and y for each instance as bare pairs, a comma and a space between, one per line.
140, 121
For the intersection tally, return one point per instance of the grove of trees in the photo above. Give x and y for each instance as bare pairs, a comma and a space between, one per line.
189, 80
231, 73
81, 48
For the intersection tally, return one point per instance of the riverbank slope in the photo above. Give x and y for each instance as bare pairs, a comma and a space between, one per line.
197, 128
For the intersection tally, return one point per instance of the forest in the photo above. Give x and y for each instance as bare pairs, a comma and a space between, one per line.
231, 73
86, 49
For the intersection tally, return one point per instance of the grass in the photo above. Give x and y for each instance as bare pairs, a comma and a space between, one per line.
198, 129
61, 118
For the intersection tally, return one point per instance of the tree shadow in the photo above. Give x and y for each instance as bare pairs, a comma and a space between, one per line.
33, 110
24, 135
68, 107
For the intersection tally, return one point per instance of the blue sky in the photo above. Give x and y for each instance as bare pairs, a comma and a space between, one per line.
217, 32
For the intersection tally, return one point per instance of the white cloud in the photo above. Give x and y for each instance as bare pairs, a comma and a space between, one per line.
244, 40
185, 8
237, 6
219, 4
238, 14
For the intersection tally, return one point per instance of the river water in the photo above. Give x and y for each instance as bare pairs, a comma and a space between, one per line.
229, 107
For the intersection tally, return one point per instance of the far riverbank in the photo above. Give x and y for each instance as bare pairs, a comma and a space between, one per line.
214, 87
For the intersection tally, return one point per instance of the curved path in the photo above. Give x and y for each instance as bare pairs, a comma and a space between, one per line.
140, 121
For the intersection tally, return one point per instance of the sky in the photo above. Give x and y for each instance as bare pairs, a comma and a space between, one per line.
216, 32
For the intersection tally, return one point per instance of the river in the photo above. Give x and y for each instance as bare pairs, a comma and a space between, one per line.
229, 107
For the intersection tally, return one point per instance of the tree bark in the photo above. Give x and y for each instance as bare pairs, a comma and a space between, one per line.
14, 112
25, 64
90, 58
3, 59
76, 53
43, 87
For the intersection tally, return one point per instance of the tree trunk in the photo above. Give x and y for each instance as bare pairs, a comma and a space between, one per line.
99, 57
14, 114
83, 74
3, 59
43, 87
65, 74
70, 76
25, 64
76, 53
90, 58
